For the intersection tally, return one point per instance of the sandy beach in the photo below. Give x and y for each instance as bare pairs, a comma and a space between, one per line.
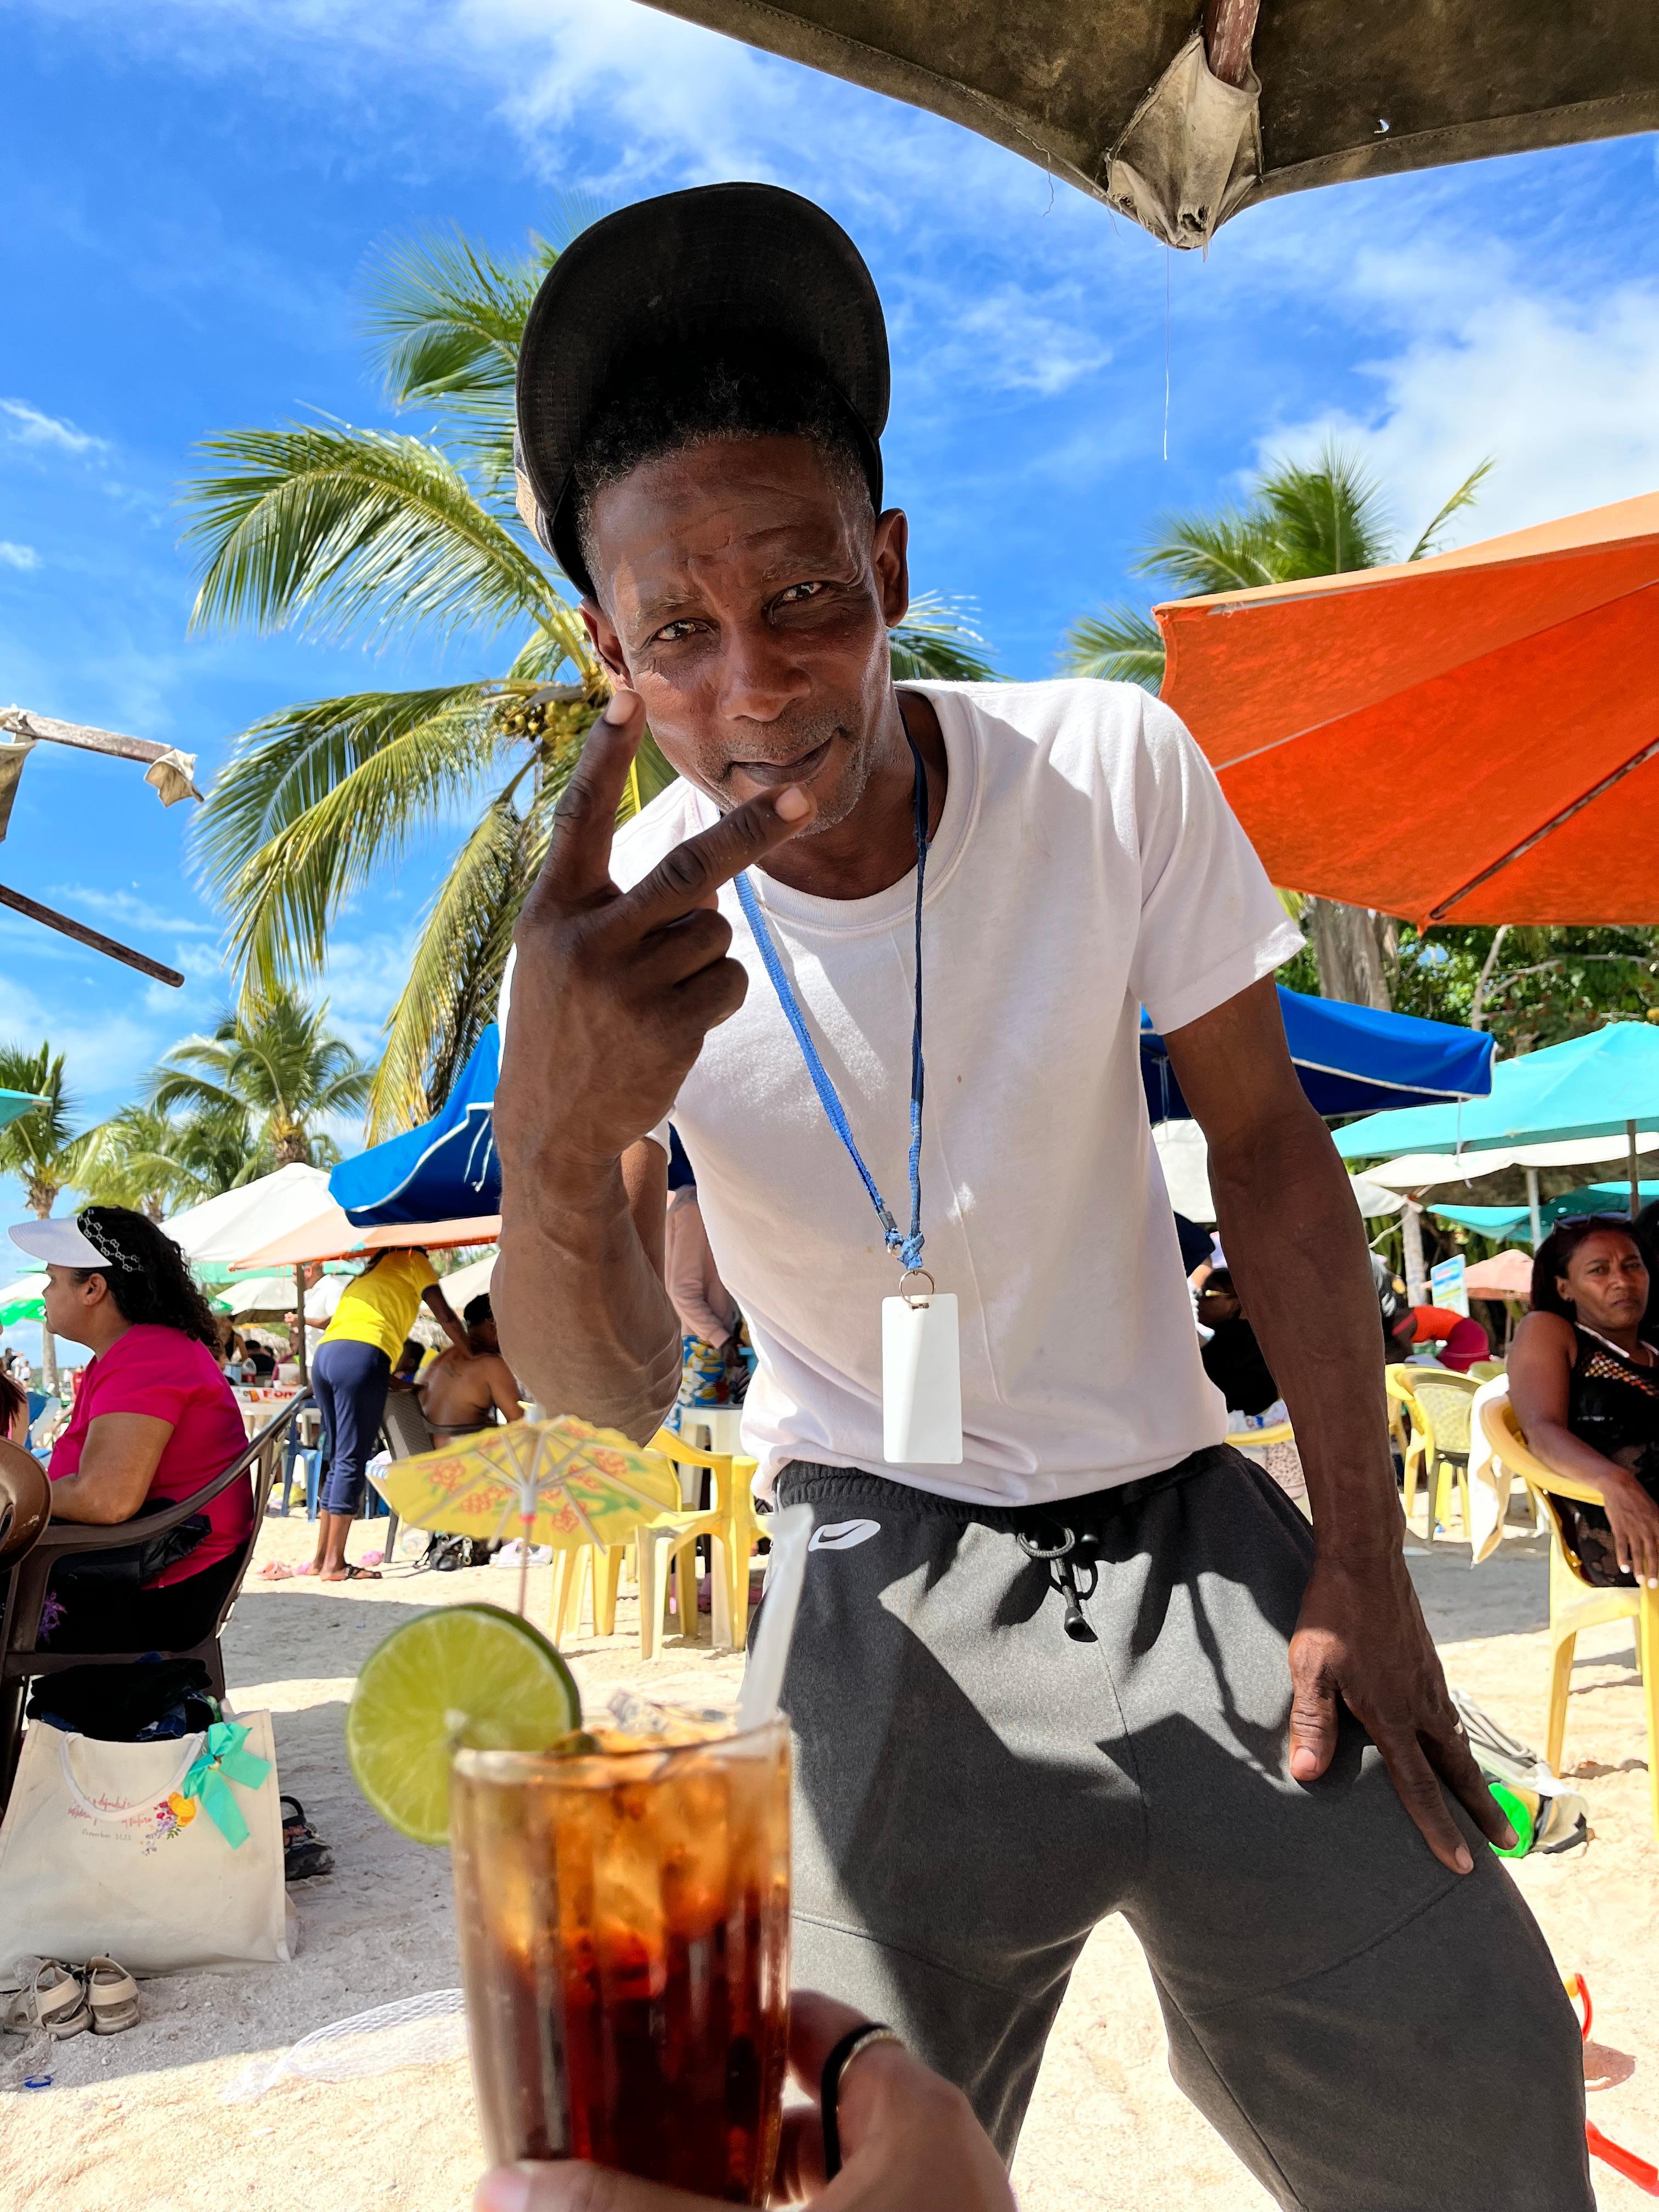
140, 2118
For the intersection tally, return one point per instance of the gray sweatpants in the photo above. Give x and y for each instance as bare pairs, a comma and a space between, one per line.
975, 1789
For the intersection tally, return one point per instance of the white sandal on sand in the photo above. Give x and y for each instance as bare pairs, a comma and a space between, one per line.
113, 1996
51, 1999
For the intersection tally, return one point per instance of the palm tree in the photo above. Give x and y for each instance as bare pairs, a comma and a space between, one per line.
268, 1072
1298, 520
375, 533
157, 1163
40, 1147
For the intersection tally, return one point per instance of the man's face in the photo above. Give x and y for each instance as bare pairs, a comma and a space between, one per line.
482, 1338
746, 596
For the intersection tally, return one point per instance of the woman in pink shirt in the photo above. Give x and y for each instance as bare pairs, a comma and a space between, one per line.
153, 1421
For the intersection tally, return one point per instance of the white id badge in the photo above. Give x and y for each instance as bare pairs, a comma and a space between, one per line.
920, 1381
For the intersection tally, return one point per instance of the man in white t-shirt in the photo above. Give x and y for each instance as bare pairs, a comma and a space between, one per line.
1063, 1652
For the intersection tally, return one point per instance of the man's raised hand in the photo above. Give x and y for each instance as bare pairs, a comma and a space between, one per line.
613, 992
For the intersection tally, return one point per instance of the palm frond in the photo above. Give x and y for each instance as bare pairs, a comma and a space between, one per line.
1326, 516
171, 1086
38, 1146
1118, 644
318, 799
271, 1068
443, 318
455, 976
284, 765
353, 530
1466, 495
1203, 553
561, 646
937, 640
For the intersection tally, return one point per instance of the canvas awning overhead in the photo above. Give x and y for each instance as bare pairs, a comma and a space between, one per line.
1180, 126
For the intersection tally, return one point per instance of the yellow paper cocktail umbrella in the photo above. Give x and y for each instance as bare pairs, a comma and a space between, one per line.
561, 1482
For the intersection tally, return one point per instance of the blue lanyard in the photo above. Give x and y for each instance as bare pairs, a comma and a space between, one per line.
906, 1249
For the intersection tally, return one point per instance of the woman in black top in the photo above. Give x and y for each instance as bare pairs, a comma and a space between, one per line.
1584, 1383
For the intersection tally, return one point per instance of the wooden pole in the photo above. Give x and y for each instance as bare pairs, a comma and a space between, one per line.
1229, 28
1630, 1161
1532, 1208
83, 934
300, 1322
1417, 1273
31, 728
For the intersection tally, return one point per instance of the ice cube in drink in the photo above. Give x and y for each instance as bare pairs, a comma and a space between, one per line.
624, 1921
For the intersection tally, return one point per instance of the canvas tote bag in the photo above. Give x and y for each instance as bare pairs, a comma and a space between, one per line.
122, 1848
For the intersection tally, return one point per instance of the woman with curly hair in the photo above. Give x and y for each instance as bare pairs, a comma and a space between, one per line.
153, 1421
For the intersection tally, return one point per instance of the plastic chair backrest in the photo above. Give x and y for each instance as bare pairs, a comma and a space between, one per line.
661, 1473
1445, 1399
1488, 1370
405, 1426
1503, 1434
1396, 1381
674, 1446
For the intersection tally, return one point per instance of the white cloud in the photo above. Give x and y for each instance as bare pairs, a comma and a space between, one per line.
17, 556
31, 426
134, 911
1561, 388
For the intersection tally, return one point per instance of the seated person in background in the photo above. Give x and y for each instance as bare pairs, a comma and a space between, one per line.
264, 1366
408, 1364
1233, 1358
1399, 1329
1584, 1383
467, 1386
1461, 1341
1234, 1363
711, 1362
153, 1421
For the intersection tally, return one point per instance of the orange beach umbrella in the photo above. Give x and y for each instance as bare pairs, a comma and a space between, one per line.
331, 1236
1474, 738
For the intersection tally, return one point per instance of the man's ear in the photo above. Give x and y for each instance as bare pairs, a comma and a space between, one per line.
607, 643
889, 555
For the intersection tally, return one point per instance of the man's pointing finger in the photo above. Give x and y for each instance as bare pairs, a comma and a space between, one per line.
690, 876
585, 820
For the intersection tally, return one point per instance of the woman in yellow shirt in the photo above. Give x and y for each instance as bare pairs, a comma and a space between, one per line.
351, 1374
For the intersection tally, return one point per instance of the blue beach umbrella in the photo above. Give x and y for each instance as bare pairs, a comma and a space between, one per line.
1605, 1084
446, 1171
1499, 1222
1349, 1059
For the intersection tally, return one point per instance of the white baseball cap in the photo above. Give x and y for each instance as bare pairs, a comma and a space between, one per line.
61, 1244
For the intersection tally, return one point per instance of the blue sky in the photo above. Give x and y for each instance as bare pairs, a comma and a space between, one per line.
193, 190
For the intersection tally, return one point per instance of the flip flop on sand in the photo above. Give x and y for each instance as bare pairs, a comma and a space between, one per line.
277, 1571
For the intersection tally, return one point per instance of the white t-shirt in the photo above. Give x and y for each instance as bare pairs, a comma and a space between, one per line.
1086, 865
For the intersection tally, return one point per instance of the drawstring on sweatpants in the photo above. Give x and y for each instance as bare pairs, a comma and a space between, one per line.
1062, 1576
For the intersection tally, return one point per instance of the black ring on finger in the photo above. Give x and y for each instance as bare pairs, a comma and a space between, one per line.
840, 2057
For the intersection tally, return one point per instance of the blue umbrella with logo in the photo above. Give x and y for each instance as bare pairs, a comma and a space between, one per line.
446, 1171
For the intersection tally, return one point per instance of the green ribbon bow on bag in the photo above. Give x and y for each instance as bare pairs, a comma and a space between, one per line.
222, 1757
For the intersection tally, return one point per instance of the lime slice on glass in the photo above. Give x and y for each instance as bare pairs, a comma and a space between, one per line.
463, 1674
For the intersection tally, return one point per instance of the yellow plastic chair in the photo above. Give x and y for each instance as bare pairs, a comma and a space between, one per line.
1576, 1604
1488, 1370
1437, 1403
576, 1557
1409, 1434
732, 1504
